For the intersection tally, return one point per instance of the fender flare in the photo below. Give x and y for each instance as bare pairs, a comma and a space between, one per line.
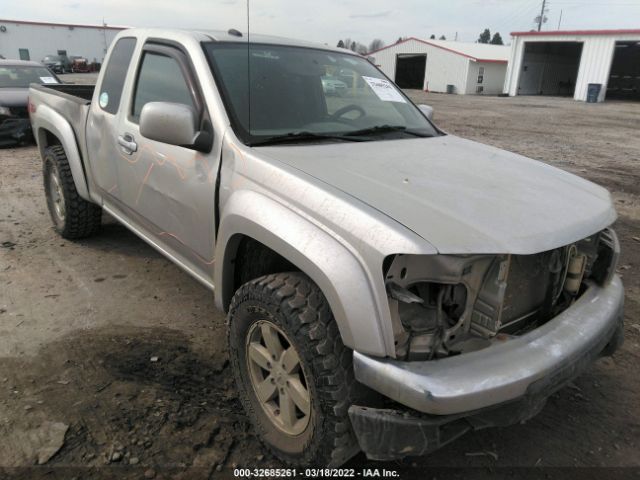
337, 272
50, 120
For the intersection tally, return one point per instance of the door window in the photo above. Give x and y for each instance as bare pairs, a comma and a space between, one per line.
115, 74
160, 80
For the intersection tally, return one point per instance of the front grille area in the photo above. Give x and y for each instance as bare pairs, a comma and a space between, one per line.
520, 291
513, 293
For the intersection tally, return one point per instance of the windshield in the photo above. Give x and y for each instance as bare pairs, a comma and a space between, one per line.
305, 94
21, 77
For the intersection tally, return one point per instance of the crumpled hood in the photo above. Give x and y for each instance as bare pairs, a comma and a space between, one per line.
14, 97
460, 196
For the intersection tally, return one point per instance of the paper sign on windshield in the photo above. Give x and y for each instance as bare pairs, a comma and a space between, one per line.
48, 80
384, 90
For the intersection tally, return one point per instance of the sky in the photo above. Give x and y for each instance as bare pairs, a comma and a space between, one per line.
327, 21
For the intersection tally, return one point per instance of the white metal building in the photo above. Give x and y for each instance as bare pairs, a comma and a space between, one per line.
34, 40
433, 65
564, 63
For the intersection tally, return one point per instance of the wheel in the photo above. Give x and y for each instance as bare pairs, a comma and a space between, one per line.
73, 217
294, 375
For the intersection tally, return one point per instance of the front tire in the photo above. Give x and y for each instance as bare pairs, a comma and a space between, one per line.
294, 375
73, 217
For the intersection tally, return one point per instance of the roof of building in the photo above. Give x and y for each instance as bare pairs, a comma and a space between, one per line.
576, 32
479, 52
73, 25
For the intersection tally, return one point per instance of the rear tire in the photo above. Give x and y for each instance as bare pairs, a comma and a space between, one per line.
294, 307
73, 217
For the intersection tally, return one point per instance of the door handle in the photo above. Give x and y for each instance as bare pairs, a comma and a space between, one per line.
127, 143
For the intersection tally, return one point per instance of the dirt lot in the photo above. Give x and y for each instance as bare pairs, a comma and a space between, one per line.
112, 352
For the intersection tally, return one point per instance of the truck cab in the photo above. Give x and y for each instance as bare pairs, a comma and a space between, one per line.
388, 286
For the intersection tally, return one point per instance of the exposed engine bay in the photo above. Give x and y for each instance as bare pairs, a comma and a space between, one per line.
443, 305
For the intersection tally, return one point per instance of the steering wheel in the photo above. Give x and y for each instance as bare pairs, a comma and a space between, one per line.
346, 109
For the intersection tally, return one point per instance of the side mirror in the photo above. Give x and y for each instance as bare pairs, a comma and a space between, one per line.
172, 123
427, 110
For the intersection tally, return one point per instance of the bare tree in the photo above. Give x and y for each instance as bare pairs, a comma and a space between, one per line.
361, 49
376, 44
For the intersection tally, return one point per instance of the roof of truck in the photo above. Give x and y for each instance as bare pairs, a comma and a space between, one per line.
225, 36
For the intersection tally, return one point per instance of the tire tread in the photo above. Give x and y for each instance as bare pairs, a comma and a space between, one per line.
312, 322
82, 218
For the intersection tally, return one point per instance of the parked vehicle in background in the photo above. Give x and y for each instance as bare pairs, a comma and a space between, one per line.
333, 86
15, 78
57, 63
79, 65
389, 287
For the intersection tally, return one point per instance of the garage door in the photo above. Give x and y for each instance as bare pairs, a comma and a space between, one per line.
624, 81
410, 70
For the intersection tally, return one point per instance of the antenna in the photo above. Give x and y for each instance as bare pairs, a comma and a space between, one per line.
248, 72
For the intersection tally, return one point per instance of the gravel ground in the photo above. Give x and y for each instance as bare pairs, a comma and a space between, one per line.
110, 351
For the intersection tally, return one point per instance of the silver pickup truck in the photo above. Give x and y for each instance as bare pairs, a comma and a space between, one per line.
388, 287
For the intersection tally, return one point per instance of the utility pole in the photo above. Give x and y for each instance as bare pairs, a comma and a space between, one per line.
541, 17
104, 37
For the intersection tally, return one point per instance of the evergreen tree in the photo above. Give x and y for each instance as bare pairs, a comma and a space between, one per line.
497, 39
485, 36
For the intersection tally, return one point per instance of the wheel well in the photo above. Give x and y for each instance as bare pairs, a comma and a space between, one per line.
47, 139
252, 260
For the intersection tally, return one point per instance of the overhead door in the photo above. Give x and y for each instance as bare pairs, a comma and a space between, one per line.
410, 70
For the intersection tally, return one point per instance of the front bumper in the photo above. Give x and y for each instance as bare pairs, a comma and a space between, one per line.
14, 130
501, 385
550, 354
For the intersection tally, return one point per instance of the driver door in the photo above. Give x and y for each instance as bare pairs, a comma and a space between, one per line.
169, 189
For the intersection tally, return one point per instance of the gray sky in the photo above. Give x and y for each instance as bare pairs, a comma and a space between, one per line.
327, 21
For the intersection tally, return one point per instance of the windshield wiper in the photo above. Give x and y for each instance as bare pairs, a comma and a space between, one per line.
383, 129
302, 137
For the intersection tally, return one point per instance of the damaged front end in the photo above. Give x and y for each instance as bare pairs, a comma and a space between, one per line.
444, 305
484, 340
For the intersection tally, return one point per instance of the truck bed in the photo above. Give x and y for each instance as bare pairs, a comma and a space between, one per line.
71, 102
77, 93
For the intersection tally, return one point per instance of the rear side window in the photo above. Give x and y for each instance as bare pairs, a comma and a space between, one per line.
160, 80
115, 75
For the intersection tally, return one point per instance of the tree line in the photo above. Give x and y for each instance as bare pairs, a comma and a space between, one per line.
377, 44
